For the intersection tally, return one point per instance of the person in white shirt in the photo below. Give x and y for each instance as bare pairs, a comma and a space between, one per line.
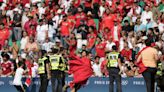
109, 45
97, 67
66, 4
51, 32
102, 9
18, 77
57, 19
24, 41
146, 14
42, 30
161, 26
122, 40
34, 69
42, 9
47, 45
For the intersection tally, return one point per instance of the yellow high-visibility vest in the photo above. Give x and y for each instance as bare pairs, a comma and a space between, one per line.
113, 59
62, 66
159, 69
54, 61
41, 68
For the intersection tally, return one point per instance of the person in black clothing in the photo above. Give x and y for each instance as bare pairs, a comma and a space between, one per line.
83, 32
57, 67
114, 64
43, 70
82, 29
127, 27
17, 30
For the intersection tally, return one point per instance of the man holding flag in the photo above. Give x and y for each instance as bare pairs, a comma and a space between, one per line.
81, 69
147, 62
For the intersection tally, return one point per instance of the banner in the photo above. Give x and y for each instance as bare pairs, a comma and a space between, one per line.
94, 84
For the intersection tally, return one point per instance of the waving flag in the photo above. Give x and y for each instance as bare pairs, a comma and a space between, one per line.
81, 70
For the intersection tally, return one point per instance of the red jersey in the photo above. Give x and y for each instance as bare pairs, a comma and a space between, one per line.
31, 32
127, 54
71, 20
108, 21
7, 67
100, 49
107, 35
65, 26
76, 3
91, 40
28, 23
79, 17
104, 69
4, 35
91, 22
72, 47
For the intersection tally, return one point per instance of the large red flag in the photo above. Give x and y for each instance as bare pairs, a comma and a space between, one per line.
81, 70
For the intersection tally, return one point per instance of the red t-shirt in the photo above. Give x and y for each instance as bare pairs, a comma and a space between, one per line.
71, 20
65, 25
80, 17
104, 69
100, 49
107, 35
91, 22
108, 21
127, 54
31, 32
28, 23
72, 47
91, 40
4, 35
76, 3
88, 4
7, 67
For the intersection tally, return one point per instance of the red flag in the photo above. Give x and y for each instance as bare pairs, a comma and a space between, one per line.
140, 64
28, 79
81, 70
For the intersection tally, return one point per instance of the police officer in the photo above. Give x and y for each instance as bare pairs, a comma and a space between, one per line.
57, 66
114, 64
43, 70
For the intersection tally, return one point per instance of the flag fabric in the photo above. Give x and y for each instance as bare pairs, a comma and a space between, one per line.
81, 70
140, 64
28, 79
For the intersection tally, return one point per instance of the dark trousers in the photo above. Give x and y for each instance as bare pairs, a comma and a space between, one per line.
44, 83
56, 81
115, 76
149, 76
19, 88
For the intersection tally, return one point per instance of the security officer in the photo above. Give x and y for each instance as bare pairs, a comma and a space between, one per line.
114, 64
63, 67
43, 70
160, 77
57, 66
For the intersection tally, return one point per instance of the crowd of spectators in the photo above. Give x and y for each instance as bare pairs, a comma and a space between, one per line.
28, 26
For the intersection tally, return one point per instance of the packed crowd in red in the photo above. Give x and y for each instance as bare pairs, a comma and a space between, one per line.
27, 26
